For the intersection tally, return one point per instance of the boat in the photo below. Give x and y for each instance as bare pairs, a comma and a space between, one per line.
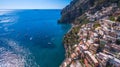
31, 38
49, 43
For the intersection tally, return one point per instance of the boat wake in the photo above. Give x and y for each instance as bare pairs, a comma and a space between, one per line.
14, 55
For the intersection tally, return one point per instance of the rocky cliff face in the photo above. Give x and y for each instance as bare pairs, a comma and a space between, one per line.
75, 9
78, 7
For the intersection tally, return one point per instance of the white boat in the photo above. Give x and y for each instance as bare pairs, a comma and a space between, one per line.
49, 43
31, 38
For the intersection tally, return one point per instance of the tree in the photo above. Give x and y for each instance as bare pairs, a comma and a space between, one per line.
118, 19
119, 4
112, 18
113, 1
96, 25
118, 41
108, 64
92, 2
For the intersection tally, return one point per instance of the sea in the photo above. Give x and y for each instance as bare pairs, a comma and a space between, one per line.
31, 38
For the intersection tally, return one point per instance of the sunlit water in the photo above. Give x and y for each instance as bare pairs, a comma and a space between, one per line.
31, 38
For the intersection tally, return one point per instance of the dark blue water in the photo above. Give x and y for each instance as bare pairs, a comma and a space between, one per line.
31, 38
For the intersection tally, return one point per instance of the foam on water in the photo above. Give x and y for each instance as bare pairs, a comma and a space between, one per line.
31, 38
8, 20
16, 56
3, 12
5, 16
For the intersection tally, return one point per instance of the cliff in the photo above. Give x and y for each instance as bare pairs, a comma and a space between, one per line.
78, 7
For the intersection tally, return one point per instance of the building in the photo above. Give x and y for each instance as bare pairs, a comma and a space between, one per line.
91, 59
107, 60
102, 59
93, 48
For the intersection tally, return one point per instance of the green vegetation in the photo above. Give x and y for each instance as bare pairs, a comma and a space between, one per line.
109, 64
112, 18
118, 19
82, 20
118, 41
76, 14
119, 4
92, 2
99, 2
101, 46
68, 53
113, 1
82, 62
102, 43
80, 10
96, 25
71, 38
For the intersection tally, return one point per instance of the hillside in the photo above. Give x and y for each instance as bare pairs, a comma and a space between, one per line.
77, 8
95, 33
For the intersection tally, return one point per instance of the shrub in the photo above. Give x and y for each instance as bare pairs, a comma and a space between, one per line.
96, 25
112, 18
71, 38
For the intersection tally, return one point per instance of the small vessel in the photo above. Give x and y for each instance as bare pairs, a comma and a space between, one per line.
49, 43
31, 38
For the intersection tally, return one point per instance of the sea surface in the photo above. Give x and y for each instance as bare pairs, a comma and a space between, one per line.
31, 38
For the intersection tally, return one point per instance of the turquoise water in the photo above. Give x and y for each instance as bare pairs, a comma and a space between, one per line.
31, 38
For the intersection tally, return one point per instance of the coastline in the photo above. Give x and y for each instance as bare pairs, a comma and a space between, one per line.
90, 42
65, 46
90, 33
